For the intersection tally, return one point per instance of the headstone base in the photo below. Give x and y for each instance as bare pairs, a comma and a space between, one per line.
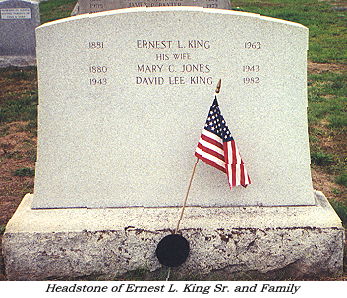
70, 243
17, 61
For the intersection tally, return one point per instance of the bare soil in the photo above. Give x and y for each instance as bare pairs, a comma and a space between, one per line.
317, 68
17, 150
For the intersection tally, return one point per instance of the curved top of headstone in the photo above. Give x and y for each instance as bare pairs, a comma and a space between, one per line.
29, 1
174, 9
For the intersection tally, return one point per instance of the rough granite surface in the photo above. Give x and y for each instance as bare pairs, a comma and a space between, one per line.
61, 243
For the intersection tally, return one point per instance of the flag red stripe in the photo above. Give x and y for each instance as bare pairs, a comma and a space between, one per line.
211, 141
210, 162
242, 174
233, 151
233, 175
211, 152
226, 152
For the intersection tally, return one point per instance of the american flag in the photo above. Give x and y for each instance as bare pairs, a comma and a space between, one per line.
217, 148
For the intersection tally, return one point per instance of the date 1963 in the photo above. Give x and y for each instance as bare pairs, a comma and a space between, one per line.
255, 45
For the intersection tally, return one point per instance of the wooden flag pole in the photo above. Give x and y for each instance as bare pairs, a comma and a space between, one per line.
218, 86
183, 208
192, 176
189, 186
186, 197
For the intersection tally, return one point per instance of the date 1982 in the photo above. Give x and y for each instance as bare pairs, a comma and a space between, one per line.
251, 80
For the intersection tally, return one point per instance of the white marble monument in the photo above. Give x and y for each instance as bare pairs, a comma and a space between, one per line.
123, 97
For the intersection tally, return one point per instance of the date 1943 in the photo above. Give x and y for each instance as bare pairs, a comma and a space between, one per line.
98, 82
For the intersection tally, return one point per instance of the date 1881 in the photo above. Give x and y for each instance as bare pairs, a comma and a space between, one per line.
96, 45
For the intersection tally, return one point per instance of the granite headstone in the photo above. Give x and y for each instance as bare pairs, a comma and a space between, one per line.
123, 102
18, 20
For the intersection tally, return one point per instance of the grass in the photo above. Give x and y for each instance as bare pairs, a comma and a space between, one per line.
23, 108
321, 158
18, 94
341, 210
332, 109
57, 9
327, 83
342, 179
22, 172
327, 115
327, 27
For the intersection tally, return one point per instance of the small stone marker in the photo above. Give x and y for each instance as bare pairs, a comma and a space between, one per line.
90, 6
18, 20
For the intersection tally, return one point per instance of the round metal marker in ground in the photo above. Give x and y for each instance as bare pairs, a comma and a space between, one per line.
172, 250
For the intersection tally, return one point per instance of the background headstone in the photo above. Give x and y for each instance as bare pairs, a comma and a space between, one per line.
121, 108
90, 6
18, 20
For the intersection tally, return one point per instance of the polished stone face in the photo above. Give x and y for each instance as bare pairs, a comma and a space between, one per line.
18, 20
124, 95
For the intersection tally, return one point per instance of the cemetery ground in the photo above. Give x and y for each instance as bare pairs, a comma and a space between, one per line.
327, 107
